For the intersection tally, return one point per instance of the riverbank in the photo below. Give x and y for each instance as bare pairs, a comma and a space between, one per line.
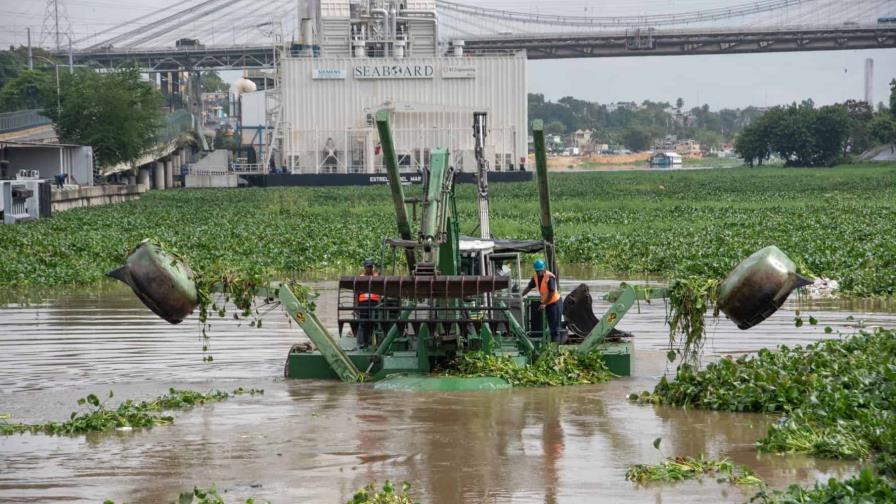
834, 221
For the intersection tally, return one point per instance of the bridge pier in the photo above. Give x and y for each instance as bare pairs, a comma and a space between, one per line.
143, 177
169, 173
158, 172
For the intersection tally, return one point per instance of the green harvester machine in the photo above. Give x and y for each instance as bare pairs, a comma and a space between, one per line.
458, 293
449, 294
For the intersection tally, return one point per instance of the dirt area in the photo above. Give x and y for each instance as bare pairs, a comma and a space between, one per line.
594, 161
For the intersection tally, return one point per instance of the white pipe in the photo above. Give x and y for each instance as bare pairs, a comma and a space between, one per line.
393, 27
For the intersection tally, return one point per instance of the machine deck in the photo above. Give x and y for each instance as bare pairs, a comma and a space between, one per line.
312, 365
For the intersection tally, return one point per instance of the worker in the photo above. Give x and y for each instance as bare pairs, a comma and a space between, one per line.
367, 301
546, 284
60, 180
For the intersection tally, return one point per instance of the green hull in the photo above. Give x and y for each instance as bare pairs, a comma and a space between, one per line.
313, 365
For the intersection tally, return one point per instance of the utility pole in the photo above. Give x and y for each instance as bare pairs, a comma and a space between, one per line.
30, 57
56, 15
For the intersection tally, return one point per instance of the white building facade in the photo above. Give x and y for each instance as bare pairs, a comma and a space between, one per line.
359, 57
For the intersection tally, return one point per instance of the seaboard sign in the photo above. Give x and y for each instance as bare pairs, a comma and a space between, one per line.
401, 71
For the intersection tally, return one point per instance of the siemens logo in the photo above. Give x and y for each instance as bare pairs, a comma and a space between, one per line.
328, 73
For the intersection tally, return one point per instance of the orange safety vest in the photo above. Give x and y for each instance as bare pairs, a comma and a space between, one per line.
369, 296
543, 288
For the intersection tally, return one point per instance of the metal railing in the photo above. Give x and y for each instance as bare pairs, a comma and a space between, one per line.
247, 168
22, 119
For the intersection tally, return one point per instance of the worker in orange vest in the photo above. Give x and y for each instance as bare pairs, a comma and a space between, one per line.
367, 301
546, 284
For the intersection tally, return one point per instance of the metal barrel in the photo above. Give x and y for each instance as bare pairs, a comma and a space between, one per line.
758, 286
161, 280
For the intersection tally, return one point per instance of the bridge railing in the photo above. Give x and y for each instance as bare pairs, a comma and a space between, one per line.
22, 119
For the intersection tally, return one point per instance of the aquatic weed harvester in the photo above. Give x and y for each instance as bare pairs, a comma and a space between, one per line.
448, 294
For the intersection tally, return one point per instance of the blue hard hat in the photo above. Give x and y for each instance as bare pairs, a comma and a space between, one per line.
538, 265
368, 263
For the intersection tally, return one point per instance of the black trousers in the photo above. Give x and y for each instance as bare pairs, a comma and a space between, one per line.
365, 326
553, 312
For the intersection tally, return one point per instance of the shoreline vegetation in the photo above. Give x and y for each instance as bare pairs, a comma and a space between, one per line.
630, 224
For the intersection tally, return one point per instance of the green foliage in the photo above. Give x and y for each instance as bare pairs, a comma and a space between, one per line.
837, 397
211, 82
115, 112
801, 135
653, 119
637, 139
30, 89
689, 299
673, 224
685, 468
882, 128
893, 98
128, 415
555, 128
15, 60
208, 495
555, 366
388, 495
864, 488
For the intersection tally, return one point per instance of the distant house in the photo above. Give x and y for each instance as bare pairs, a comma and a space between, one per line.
666, 160
689, 148
582, 138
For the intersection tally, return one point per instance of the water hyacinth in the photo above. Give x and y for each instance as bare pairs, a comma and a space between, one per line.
98, 417
684, 468
699, 224
555, 366
836, 398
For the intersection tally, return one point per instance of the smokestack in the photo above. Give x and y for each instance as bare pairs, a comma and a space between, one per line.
869, 81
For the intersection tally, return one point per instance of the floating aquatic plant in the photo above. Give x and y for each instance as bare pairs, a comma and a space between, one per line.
555, 366
98, 417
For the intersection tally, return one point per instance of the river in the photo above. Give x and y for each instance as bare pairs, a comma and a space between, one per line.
306, 441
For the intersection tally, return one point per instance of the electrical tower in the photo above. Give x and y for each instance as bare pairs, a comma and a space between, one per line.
57, 25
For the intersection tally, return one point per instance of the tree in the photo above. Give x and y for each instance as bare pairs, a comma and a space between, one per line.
636, 139
860, 115
830, 129
893, 97
211, 82
116, 112
679, 103
883, 129
555, 128
752, 143
28, 90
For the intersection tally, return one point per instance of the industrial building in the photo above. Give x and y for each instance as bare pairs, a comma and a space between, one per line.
360, 56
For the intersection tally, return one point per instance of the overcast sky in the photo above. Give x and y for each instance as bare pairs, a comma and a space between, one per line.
720, 81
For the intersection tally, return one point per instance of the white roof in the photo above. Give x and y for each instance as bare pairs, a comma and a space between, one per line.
476, 245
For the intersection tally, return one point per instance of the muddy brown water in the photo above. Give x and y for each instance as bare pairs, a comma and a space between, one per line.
305, 441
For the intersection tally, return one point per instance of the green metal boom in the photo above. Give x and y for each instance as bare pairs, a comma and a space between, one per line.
390, 160
544, 195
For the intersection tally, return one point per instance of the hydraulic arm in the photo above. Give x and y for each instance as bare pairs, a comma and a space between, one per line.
544, 196
390, 160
